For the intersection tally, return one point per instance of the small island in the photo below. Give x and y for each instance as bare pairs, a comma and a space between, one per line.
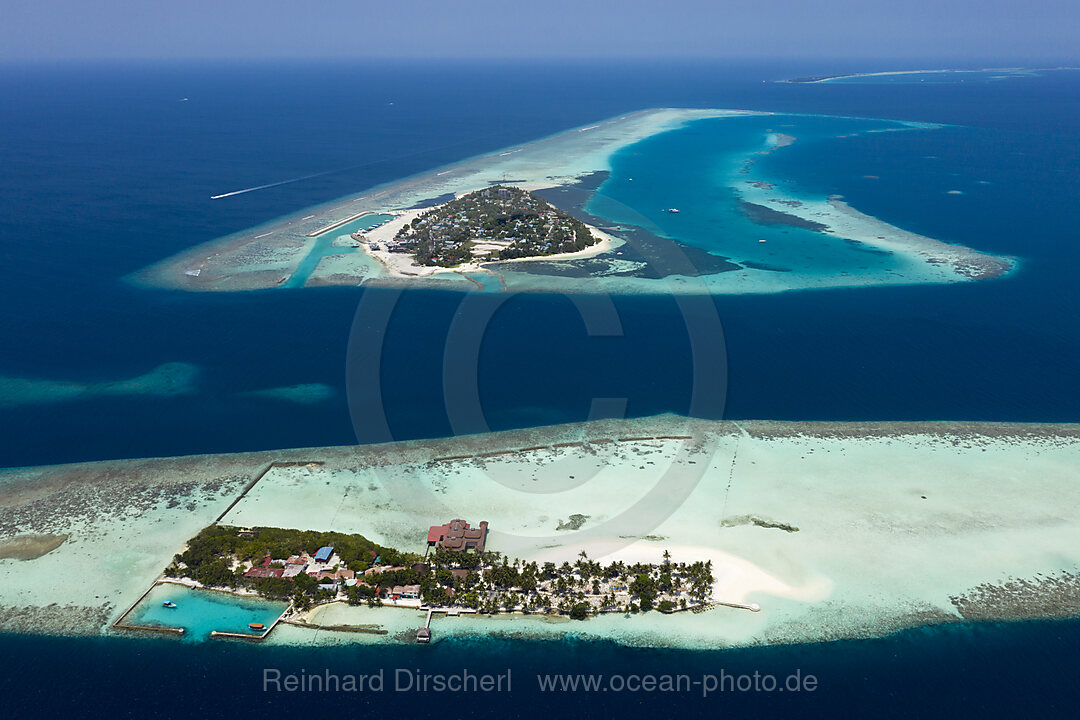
456, 574
496, 223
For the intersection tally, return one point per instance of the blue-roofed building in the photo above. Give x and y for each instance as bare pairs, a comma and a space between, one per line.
324, 554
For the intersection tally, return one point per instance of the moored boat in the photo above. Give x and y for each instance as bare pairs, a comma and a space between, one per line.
256, 626
168, 604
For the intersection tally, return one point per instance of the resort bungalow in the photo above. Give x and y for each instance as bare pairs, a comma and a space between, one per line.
458, 535
405, 592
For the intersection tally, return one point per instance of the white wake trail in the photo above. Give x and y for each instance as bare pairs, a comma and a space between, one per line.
270, 185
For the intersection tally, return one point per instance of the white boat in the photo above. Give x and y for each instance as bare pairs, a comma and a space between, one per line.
168, 604
672, 210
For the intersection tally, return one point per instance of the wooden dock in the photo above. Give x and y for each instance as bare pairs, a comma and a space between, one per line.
423, 635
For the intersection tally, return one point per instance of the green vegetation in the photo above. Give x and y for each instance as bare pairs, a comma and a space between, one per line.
488, 582
492, 583
217, 556
497, 223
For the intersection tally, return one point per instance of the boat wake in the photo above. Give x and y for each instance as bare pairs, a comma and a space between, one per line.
273, 184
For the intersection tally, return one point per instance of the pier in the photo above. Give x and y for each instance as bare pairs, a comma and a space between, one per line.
250, 636
121, 625
339, 223
423, 635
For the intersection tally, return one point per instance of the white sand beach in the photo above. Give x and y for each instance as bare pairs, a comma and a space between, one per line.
832, 529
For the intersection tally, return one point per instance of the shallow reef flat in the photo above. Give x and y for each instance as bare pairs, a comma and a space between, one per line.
834, 529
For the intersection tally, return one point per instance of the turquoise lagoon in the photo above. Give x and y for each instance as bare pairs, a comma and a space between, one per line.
700, 169
324, 246
200, 612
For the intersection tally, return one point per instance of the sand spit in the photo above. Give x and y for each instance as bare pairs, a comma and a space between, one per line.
930, 260
832, 529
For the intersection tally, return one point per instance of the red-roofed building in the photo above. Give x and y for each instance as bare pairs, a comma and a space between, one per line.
458, 535
264, 572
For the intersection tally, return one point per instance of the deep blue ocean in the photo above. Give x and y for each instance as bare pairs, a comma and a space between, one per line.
104, 169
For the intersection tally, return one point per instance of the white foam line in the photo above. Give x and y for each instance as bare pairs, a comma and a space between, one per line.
270, 185
591, 127
307, 217
443, 172
264, 235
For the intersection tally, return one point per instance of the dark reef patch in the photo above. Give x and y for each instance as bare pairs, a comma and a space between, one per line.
660, 256
432, 202
757, 521
574, 522
767, 216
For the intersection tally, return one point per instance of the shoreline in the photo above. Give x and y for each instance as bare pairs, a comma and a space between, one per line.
401, 266
795, 517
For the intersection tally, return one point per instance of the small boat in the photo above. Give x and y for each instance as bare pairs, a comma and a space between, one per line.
256, 626
672, 210
168, 604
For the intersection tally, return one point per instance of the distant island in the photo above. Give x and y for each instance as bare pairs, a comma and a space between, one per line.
553, 215
1011, 72
496, 223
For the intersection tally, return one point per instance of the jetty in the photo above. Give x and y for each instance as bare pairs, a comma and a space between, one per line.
423, 635
339, 223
